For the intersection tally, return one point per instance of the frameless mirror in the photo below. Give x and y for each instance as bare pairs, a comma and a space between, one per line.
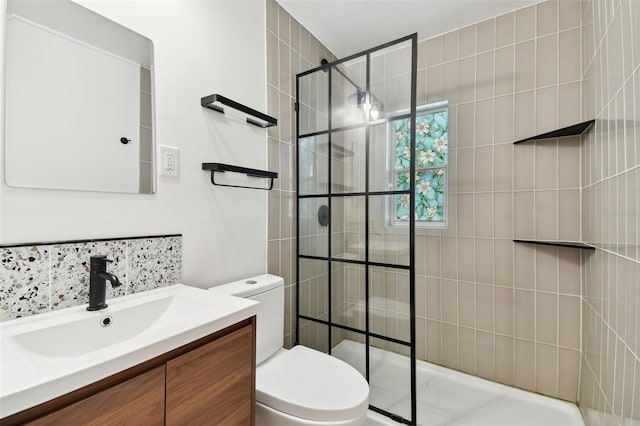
78, 100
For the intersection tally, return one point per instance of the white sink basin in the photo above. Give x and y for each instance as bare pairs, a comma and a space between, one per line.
48, 355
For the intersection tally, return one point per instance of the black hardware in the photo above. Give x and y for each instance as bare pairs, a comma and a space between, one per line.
221, 168
570, 244
124, 141
323, 215
98, 277
267, 120
575, 130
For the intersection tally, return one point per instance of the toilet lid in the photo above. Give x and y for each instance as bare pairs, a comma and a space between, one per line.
305, 383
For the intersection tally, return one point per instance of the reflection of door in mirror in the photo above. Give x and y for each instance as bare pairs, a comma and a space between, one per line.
79, 103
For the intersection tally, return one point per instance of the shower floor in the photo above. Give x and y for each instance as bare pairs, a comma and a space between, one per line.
449, 397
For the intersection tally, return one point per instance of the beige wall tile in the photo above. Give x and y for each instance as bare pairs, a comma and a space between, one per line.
504, 71
547, 17
569, 322
524, 214
466, 263
434, 298
466, 80
547, 60
504, 359
484, 123
449, 345
486, 35
568, 367
525, 23
547, 318
467, 350
434, 51
484, 261
569, 161
467, 304
547, 369
450, 258
525, 66
546, 164
547, 269
504, 311
449, 293
569, 56
503, 215
450, 43
569, 104
503, 119
569, 14
466, 125
466, 215
569, 215
525, 314
569, 271
485, 75
466, 169
434, 341
524, 162
546, 212
485, 307
484, 215
467, 42
503, 262
505, 29
525, 116
485, 355
525, 364
546, 109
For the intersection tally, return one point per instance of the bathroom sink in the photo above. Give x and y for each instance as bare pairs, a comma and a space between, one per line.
55, 353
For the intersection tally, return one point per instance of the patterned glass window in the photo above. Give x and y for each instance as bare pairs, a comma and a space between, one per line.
431, 167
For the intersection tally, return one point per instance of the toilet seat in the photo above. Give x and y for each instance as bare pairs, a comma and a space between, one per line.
308, 384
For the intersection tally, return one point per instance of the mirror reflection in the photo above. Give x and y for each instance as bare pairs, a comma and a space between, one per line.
78, 100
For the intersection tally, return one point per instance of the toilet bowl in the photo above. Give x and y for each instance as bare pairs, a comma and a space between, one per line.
299, 386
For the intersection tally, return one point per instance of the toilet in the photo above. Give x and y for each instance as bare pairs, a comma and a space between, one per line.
299, 386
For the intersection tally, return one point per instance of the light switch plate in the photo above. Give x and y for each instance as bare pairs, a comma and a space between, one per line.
169, 161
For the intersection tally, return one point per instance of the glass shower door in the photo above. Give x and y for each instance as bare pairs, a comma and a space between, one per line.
355, 260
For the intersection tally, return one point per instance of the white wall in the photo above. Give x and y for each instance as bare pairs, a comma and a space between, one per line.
200, 48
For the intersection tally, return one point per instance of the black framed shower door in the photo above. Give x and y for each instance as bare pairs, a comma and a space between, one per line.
355, 269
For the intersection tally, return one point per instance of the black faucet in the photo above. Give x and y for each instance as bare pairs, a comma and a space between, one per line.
98, 277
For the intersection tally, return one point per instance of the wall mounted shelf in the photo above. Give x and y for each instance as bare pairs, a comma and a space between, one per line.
575, 130
222, 168
255, 117
570, 244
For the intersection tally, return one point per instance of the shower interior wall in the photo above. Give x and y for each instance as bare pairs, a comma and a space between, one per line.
507, 312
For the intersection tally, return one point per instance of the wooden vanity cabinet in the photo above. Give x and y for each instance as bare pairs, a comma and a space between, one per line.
222, 374
207, 382
138, 401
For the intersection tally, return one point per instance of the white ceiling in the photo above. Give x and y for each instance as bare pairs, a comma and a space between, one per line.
350, 26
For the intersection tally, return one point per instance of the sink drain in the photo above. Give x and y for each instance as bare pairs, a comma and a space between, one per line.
106, 321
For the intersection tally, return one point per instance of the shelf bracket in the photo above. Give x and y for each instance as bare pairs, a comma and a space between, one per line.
222, 168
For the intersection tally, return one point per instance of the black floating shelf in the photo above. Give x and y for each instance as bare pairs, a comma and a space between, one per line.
255, 117
569, 244
222, 168
575, 130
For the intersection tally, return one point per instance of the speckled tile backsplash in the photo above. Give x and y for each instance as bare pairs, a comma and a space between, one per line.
45, 277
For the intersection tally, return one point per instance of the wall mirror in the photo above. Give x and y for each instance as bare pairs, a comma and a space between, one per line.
78, 100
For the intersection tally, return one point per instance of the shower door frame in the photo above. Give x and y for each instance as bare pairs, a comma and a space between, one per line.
329, 67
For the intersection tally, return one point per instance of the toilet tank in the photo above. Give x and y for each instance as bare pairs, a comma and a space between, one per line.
269, 291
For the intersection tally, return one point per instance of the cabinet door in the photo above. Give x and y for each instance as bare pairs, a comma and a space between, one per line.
138, 401
213, 384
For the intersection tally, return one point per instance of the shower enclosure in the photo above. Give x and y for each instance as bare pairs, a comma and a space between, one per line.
355, 226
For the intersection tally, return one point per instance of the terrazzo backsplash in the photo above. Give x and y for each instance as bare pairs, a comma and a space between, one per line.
44, 277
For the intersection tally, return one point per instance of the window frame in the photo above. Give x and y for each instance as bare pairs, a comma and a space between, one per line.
392, 172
